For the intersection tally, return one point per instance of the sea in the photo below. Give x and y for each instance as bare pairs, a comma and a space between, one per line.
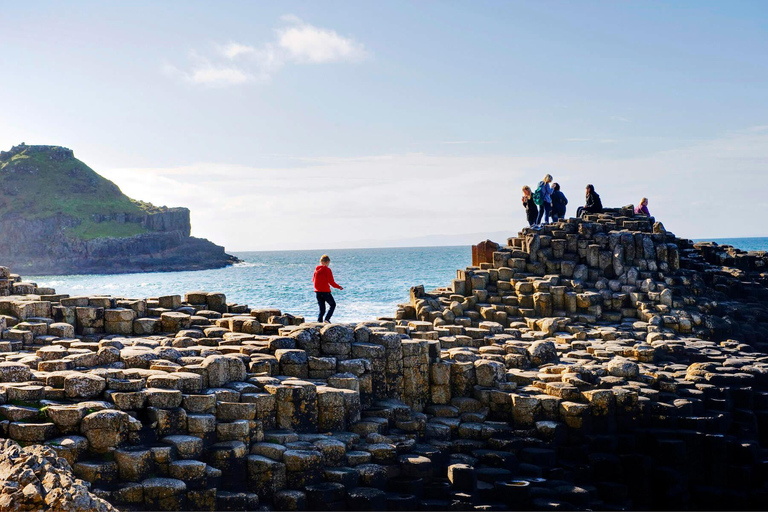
375, 281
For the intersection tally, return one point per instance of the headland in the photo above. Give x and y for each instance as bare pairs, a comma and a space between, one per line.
58, 216
597, 363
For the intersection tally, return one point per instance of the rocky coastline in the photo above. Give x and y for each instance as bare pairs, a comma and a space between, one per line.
599, 363
93, 228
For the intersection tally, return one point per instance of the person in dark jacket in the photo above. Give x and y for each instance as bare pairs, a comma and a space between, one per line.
593, 204
530, 207
559, 201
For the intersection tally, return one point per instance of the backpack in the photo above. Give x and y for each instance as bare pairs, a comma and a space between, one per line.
537, 199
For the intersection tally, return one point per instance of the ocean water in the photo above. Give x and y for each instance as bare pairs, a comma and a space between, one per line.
375, 281
745, 244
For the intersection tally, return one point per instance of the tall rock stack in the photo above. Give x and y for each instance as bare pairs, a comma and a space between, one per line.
596, 363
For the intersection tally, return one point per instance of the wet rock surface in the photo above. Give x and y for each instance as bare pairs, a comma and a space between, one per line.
600, 363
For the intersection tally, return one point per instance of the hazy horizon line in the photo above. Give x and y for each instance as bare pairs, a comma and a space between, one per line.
705, 239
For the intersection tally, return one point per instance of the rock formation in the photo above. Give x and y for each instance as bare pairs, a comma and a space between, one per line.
598, 363
57, 216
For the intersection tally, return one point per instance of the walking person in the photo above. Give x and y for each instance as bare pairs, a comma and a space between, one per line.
544, 195
642, 208
530, 206
559, 202
323, 280
593, 203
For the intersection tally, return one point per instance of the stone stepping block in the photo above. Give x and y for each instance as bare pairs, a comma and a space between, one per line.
415, 466
184, 446
199, 404
289, 499
96, 472
133, 463
346, 476
230, 458
84, 385
19, 413
163, 398
230, 411
333, 452
372, 475
31, 432
272, 451
237, 501
512, 493
189, 471
164, 493
366, 498
265, 476
238, 430
322, 496
70, 448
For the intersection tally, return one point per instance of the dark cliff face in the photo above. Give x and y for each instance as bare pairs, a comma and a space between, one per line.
42, 247
57, 216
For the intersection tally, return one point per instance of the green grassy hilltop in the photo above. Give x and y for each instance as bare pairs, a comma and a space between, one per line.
38, 182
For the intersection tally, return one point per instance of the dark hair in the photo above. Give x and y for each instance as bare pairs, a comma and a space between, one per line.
591, 188
556, 186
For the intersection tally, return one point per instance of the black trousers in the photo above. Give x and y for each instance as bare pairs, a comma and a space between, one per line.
322, 298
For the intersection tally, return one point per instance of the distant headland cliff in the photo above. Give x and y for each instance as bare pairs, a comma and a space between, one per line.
58, 216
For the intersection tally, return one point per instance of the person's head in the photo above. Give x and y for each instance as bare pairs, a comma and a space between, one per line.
548, 178
527, 191
590, 189
644, 201
555, 186
325, 260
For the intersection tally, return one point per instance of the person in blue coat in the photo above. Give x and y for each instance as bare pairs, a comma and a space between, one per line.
559, 202
544, 193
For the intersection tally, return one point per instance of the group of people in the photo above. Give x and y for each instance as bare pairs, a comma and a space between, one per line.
548, 201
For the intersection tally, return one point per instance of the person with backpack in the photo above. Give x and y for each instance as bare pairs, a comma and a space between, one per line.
530, 207
323, 280
593, 203
543, 198
559, 201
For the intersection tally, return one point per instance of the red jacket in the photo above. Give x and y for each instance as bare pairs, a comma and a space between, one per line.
323, 279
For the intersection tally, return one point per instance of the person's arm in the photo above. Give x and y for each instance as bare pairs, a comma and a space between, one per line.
331, 281
565, 199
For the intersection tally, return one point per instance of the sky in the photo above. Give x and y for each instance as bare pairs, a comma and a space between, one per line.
323, 124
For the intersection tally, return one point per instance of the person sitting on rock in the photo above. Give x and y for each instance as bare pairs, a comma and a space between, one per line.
593, 204
559, 201
323, 280
642, 208
530, 206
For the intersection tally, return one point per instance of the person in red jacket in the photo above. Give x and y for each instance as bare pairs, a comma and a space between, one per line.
323, 280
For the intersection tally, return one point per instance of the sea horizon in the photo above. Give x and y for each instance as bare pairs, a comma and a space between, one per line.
718, 240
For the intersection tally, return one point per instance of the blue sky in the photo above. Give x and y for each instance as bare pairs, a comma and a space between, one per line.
330, 124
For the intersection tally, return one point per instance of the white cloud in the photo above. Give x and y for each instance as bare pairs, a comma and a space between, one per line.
234, 50
402, 196
298, 42
306, 43
210, 75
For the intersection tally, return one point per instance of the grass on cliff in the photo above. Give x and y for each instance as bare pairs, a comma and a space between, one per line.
89, 230
37, 185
